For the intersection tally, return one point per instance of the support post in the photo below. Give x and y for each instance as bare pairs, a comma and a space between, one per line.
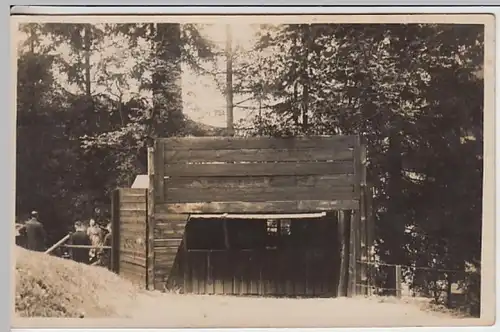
185, 264
341, 226
354, 225
363, 255
353, 250
115, 231
398, 277
150, 199
370, 233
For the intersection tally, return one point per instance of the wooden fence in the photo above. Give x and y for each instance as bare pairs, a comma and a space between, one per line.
129, 222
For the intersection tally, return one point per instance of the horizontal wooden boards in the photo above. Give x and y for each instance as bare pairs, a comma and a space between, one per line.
163, 217
171, 231
133, 244
129, 206
260, 207
133, 199
259, 216
237, 143
132, 195
133, 253
192, 195
135, 223
169, 226
256, 155
226, 182
268, 169
136, 213
133, 259
168, 243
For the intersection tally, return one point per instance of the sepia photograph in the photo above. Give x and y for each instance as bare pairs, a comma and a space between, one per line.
254, 171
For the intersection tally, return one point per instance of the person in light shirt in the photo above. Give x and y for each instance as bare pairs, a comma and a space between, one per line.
96, 236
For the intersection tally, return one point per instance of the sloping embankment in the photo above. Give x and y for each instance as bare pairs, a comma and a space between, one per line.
49, 286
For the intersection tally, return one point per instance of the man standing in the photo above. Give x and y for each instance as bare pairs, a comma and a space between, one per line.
80, 237
34, 233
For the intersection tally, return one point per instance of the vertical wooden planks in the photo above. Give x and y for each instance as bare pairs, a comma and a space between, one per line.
354, 246
358, 253
131, 233
217, 272
363, 257
267, 274
344, 252
228, 272
363, 221
115, 230
301, 276
150, 199
398, 279
370, 233
353, 224
187, 279
261, 274
159, 169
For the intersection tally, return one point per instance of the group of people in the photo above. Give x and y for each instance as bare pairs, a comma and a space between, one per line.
85, 243
93, 236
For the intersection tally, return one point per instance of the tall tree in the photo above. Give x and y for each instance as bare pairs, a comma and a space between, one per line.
413, 92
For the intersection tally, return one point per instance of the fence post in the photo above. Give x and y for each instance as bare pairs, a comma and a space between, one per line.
398, 276
342, 235
115, 231
150, 207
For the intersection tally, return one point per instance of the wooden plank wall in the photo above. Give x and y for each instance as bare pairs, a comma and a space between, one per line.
294, 265
132, 239
248, 175
289, 273
238, 175
169, 248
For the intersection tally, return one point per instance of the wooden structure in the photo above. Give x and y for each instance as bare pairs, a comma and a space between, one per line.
226, 215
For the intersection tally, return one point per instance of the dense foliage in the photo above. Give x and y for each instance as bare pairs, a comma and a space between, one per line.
84, 116
413, 92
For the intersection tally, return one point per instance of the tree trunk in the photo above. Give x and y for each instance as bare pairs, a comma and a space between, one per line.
87, 44
229, 82
167, 89
307, 41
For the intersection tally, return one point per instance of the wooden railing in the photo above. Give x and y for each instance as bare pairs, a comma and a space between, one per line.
61, 243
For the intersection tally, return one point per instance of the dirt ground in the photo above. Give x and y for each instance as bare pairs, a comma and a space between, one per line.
53, 287
172, 310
